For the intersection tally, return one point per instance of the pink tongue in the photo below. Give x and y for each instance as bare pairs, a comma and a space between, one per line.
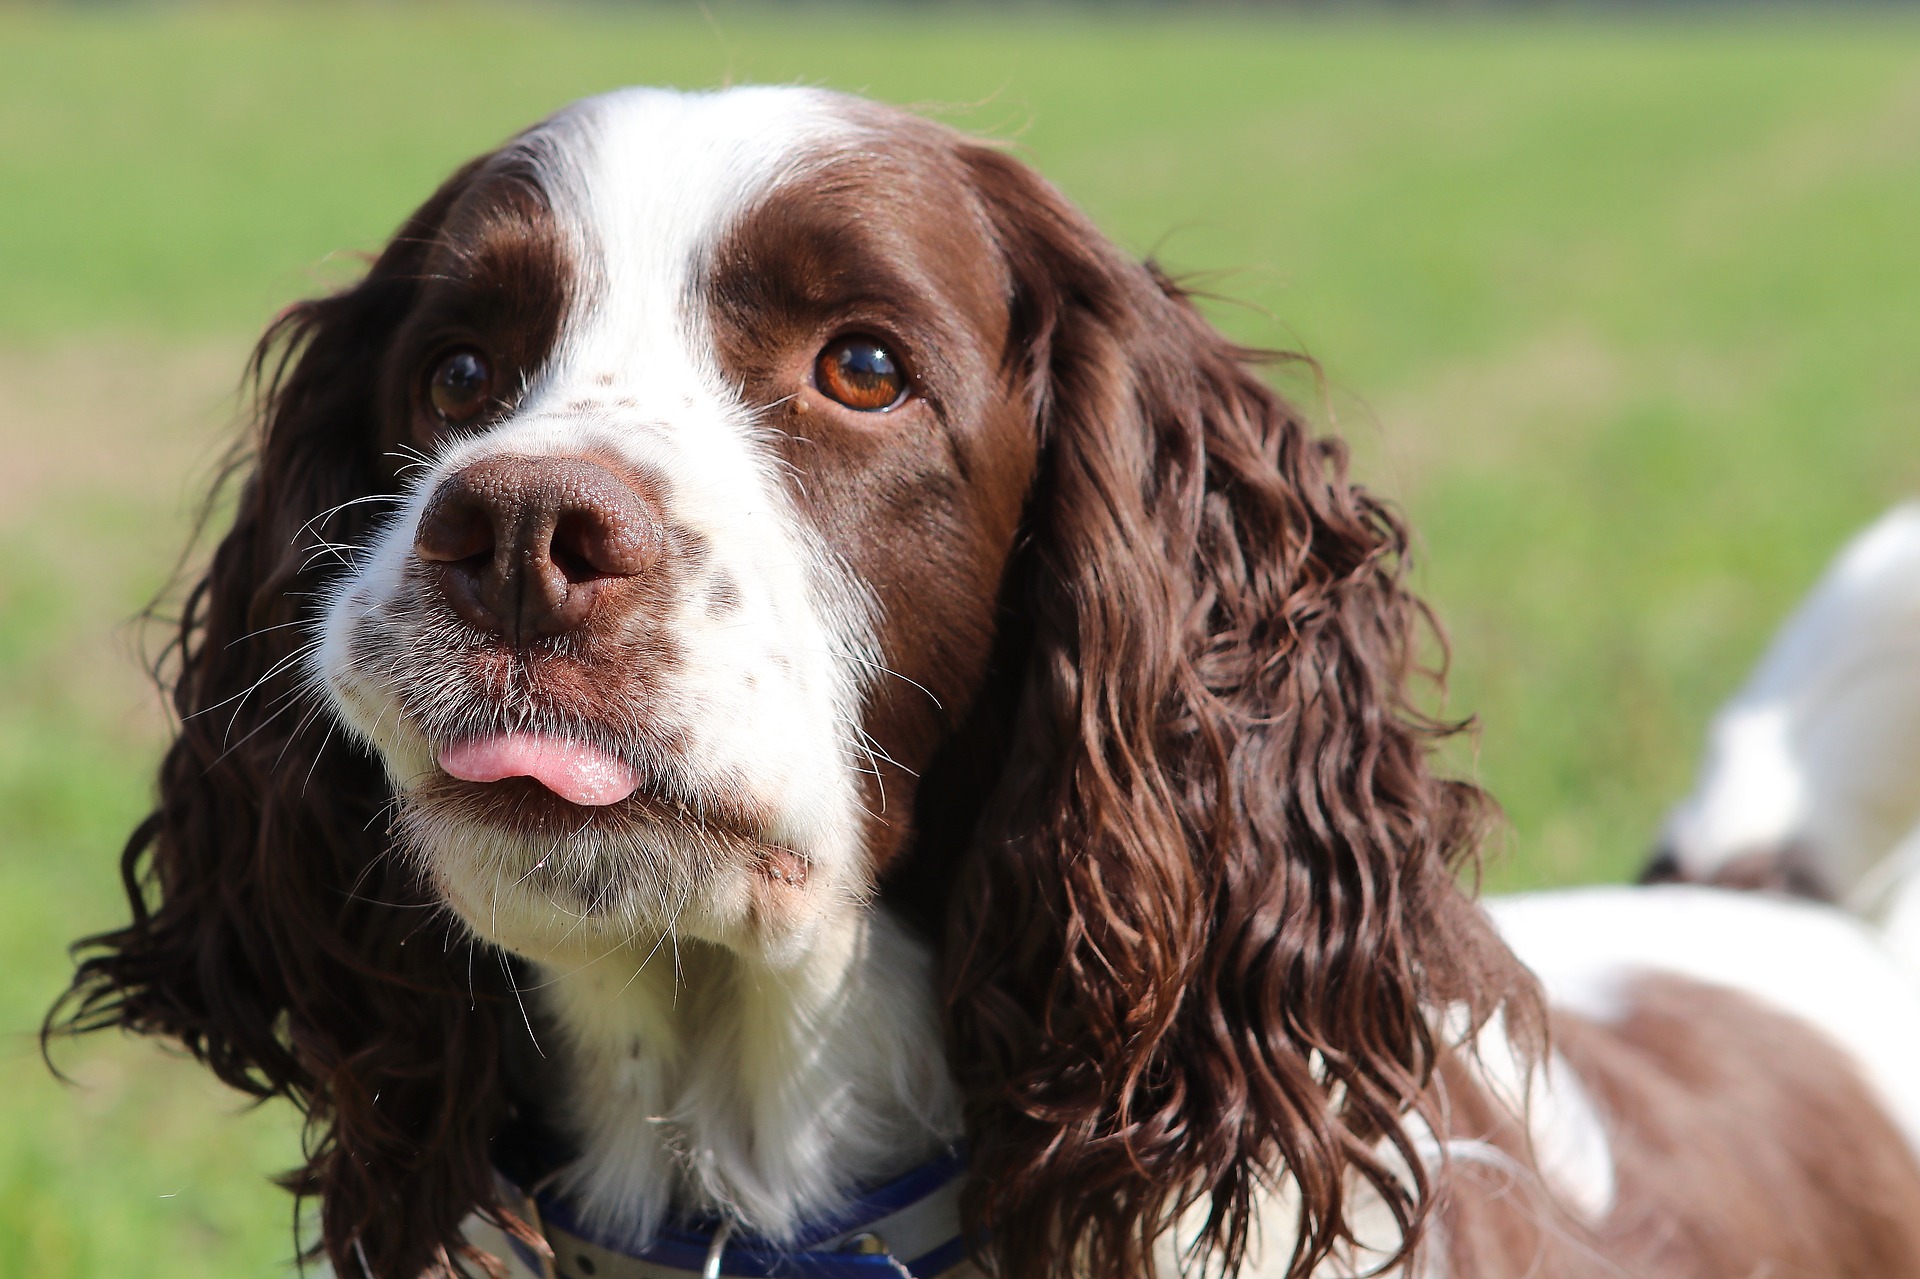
575, 771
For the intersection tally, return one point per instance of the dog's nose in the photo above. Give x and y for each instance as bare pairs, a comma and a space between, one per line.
523, 546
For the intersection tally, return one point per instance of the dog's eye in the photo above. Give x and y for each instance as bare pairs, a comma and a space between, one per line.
860, 373
460, 385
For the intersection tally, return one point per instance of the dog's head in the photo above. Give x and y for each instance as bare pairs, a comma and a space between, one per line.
701, 556
720, 514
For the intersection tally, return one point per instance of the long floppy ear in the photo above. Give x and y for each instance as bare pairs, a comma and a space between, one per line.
272, 934
1196, 950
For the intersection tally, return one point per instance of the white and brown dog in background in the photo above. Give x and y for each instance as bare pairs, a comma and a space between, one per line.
758, 648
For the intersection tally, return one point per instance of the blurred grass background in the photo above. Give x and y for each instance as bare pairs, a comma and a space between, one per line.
1625, 314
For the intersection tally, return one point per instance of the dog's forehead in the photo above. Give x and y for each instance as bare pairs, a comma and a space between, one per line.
645, 183
658, 173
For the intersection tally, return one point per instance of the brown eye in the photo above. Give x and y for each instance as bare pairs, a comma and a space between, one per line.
461, 385
860, 373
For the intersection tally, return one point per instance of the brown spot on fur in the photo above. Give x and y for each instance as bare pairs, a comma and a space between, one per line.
1788, 871
723, 595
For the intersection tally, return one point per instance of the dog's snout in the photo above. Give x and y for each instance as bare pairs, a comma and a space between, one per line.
522, 547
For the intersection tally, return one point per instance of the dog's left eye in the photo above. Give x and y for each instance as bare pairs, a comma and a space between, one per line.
460, 385
861, 373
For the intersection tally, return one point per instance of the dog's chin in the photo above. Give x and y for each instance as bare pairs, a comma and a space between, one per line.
523, 808
559, 882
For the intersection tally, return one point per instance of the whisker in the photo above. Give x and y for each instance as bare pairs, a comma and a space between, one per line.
331, 511
296, 655
507, 972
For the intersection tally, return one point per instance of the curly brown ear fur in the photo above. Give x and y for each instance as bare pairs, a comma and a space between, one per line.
1216, 891
271, 934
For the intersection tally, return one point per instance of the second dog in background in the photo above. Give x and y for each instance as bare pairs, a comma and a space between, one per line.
1811, 778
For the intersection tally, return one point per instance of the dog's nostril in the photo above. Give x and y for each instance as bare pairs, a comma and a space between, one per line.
598, 540
576, 568
455, 530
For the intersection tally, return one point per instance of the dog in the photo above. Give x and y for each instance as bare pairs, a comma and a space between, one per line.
1811, 778
773, 703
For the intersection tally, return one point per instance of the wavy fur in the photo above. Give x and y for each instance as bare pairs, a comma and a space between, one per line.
1217, 879
273, 935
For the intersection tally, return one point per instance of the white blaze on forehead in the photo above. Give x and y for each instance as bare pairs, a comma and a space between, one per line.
647, 182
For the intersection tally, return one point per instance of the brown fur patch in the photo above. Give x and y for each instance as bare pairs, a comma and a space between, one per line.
1744, 1144
1790, 871
499, 277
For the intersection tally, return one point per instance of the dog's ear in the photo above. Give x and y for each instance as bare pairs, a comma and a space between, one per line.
273, 934
1197, 946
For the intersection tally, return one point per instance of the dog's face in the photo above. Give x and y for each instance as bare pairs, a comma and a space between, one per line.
710, 459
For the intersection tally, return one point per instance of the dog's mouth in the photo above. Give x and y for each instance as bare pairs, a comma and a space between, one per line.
577, 771
549, 787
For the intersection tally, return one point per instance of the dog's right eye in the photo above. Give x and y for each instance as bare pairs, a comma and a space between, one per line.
861, 373
460, 385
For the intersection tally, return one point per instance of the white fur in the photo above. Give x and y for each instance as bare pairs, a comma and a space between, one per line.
1565, 1134
763, 1062
1821, 748
769, 1092
1810, 962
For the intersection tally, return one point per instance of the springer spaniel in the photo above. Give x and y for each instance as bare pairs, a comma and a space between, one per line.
773, 704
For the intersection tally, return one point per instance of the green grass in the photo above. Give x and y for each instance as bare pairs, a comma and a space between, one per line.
1627, 317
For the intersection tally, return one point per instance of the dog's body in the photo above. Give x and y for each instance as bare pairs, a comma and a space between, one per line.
1731, 1092
858, 666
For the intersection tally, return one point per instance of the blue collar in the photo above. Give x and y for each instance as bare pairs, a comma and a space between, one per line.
908, 1228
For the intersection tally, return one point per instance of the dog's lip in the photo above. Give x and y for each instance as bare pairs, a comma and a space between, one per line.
577, 770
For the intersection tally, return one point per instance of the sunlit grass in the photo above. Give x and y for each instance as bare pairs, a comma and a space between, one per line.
1627, 317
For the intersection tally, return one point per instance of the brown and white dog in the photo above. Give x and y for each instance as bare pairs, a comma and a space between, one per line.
756, 650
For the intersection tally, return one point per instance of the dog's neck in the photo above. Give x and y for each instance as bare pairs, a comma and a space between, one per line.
700, 1080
